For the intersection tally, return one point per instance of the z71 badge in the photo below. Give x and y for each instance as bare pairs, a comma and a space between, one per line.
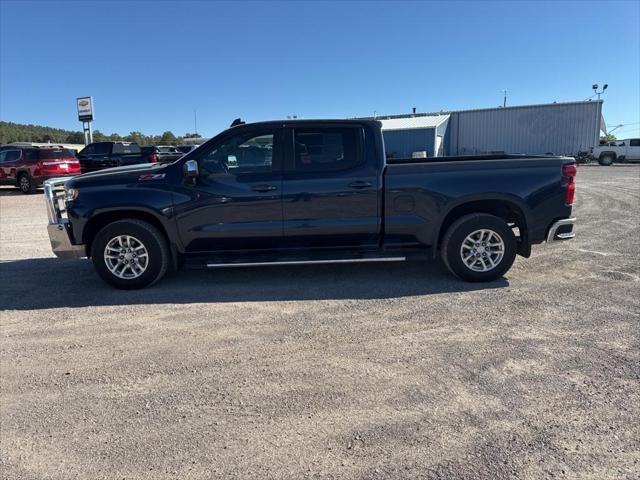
151, 176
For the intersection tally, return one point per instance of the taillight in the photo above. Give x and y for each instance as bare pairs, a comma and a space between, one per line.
61, 166
153, 158
570, 171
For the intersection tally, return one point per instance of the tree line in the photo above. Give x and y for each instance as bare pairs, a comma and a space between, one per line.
17, 132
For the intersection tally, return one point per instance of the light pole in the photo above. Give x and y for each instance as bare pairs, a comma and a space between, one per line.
595, 89
615, 128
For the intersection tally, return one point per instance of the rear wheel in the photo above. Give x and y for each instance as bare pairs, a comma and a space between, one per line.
25, 183
606, 160
130, 254
479, 247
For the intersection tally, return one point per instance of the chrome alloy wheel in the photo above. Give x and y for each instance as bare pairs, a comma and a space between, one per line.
126, 257
482, 250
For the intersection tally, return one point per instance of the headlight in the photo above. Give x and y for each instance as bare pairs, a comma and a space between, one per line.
70, 194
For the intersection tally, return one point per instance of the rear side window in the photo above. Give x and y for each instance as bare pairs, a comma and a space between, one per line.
52, 153
12, 155
31, 154
326, 149
635, 142
121, 148
98, 149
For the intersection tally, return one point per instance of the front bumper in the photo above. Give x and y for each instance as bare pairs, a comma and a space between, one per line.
561, 230
59, 229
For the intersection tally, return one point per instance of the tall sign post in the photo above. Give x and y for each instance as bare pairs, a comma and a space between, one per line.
85, 115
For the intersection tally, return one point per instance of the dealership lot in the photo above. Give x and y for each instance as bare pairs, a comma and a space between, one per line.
334, 371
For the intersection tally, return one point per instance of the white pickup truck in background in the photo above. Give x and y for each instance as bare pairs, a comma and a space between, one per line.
627, 150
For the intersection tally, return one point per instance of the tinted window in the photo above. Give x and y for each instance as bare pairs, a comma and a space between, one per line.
635, 142
55, 153
123, 148
185, 148
88, 150
12, 155
98, 149
102, 149
326, 149
31, 154
247, 153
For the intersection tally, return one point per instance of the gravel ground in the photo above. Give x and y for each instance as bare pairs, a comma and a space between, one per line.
336, 371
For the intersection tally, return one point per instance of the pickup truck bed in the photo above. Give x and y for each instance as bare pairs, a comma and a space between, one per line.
311, 191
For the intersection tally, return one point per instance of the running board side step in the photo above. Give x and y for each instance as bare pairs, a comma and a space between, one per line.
305, 262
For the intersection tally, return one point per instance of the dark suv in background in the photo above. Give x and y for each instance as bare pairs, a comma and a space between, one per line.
28, 167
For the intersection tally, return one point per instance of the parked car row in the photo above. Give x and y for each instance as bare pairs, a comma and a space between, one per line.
27, 167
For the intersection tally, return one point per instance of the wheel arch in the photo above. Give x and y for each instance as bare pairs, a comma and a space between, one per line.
511, 210
98, 221
608, 153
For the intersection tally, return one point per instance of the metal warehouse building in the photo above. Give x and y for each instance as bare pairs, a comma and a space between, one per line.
558, 128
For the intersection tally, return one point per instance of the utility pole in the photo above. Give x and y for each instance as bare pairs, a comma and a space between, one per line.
195, 120
504, 99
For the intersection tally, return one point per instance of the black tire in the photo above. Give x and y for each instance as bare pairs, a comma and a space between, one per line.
460, 230
25, 183
156, 248
606, 160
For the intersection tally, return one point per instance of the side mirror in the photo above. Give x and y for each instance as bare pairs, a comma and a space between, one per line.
190, 170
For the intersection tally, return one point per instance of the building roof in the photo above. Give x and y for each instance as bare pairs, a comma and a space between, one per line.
448, 112
407, 123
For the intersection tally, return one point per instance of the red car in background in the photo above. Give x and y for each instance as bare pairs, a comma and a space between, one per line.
28, 167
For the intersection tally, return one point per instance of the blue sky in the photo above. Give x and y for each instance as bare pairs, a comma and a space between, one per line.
148, 65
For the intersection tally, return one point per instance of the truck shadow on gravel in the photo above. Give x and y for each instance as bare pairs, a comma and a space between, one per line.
50, 283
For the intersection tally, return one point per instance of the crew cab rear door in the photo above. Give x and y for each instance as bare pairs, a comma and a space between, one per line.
633, 150
236, 202
331, 190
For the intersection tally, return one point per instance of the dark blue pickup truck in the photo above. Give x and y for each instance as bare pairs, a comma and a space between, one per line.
307, 192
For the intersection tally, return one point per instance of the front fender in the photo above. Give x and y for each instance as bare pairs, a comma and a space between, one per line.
92, 203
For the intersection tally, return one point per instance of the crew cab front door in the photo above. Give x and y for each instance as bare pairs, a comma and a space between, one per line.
331, 190
236, 202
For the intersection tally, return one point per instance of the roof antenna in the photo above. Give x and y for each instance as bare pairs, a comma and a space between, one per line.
236, 122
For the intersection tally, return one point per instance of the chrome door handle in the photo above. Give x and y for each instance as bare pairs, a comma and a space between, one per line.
264, 188
359, 184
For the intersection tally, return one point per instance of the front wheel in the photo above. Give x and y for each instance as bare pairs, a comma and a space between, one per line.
130, 254
606, 160
479, 247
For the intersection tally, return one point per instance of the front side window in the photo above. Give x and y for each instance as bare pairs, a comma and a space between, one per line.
245, 153
326, 149
88, 150
635, 142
